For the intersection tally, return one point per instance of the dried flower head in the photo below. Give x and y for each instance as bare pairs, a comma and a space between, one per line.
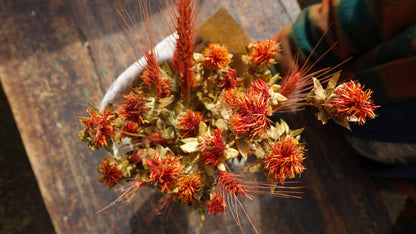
285, 159
129, 128
229, 80
216, 57
353, 103
97, 128
262, 52
111, 175
230, 184
188, 186
216, 204
134, 107
212, 148
252, 109
164, 171
189, 123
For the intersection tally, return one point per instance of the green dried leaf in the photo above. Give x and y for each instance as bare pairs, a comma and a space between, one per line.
274, 79
169, 133
221, 124
258, 150
190, 147
332, 83
164, 102
94, 109
203, 128
243, 147
296, 132
221, 167
231, 153
189, 139
198, 57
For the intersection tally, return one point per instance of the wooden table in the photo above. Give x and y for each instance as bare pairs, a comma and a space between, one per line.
56, 56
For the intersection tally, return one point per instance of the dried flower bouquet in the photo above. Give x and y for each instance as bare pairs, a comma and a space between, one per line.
189, 117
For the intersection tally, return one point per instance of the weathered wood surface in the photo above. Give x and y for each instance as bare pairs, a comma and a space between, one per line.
56, 56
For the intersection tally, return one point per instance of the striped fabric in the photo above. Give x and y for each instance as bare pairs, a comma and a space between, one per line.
380, 35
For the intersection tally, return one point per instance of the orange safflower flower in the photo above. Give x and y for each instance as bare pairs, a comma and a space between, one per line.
187, 188
110, 174
100, 126
252, 109
216, 57
212, 148
353, 103
263, 51
285, 159
133, 107
165, 171
129, 127
229, 80
189, 123
216, 204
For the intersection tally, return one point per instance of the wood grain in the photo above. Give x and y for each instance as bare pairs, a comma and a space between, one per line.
57, 56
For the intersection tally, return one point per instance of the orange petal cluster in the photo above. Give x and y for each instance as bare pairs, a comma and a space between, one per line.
216, 204
263, 51
216, 57
252, 109
100, 126
353, 103
285, 159
187, 188
165, 171
133, 107
110, 174
213, 148
189, 123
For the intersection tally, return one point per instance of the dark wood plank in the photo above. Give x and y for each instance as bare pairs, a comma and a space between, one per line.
56, 56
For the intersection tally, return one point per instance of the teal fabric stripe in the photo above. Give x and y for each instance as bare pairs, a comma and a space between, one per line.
307, 37
372, 81
357, 22
398, 47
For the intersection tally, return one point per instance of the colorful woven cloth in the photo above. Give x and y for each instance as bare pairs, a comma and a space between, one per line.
380, 35
380, 38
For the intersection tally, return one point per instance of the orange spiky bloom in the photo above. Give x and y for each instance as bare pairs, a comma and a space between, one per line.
252, 109
110, 174
129, 127
216, 204
186, 22
189, 123
157, 139
133, 107
285, 159
136, 156
353, 103
230, 184
165, 171
229, 80
263, 51
216, 57
212, 148
99, 127
259, 86
188, 186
